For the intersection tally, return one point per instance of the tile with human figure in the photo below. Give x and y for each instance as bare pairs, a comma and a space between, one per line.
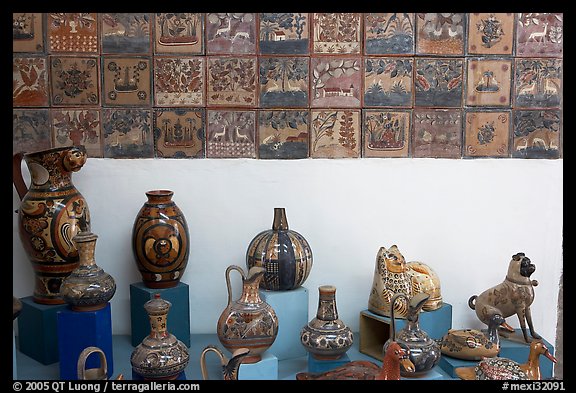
490, 33
29, 81
388, 81
125, 32
336, 33
127, 133
283, 82
488, 82
335, 133
284, 33
335, 82
179, 32
30, 130
74, 80
388, 33
540, 35
126, 81
437, 133
179, 81
438, 82
231, 81
283, 134
386, 133
27, 32
536, 134
77, 126
179, 132
440, 33
538, 83
231, 134
487, 133
231, 33
73, 32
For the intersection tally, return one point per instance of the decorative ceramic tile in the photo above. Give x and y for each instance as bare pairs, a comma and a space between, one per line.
126, 81
388, 33
388, 81
438, 82
179, 133
29, 81
335, 82
487, 134
335, 133
283, 134
437, 133
283, 82
74, 80
536, 134
179, 81
232, 81
336, 33
284, 33
490, 33
127, 133
77, 127
27, 32
488, 82
30, 130
231, 134
181, 32
125, 33
386, 133
539, 35
231, 33
73, 32
538, 83
440, 33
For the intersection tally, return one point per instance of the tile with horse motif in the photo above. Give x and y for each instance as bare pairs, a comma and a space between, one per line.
127, 133
335, 133
73, 32
490, 33
487, 133
438, 82
179, 132
126, 81
77, 126
538, 83
179, 81
231, 33
125, 32
386, 133
232, 81
74, 80
283, 134
284, 82
231, 134
437, 133
27, 32
536, 134
488, 82
440, 33
29, 81
388, 33
336, 33
388, 81
181, 32
284, 33
539, 35
335, 82
30, 130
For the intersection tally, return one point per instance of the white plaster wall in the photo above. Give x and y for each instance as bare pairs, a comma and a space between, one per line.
464, 218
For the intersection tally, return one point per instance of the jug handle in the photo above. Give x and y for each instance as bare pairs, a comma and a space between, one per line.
81, 366
228, 286
17, 178
393, 319
210, 348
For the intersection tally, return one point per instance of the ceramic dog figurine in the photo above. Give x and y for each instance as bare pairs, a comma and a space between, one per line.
513, 296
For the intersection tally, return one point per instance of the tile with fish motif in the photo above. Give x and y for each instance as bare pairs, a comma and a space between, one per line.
231, 134
438, 82
440, 33
487, 133
29, 81
74, 80
231, 33
179, 32
388, 81
30, 130
125, 32
335, 133
284, 33
536, 134
283, 82
538, 83
283, 134
386, 133
336, 33
490, 33
488, 82
437, 133
127, 133
126, 81
388, 33
76, 127
72, 32
539, 35
232, 81
179, 132
335, 82
27, 32
179, 81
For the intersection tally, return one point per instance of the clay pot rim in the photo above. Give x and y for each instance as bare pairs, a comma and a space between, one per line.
160, 192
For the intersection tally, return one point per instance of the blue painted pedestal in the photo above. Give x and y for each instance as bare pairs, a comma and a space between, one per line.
320, 366
265, 369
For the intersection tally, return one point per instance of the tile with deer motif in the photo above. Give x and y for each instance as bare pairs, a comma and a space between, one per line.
179, 132
231, 33
127, 133
231, 81
126, 81
179, 32
488, 82
284, 33
487, 133
388, 33
74, 80
179, 81
125, 32
27, 32
388, 81
72, 32
538, 83
231, 133
77, 126
335, 133
283, 134
440, 33
336, 33
539, 35
29, 81
335, 82
386, 133
536, 133
30, 130
490, 33
438, 82
284, 82
437, 133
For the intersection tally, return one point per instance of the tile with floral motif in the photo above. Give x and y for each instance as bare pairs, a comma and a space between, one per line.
127, 133
283, 82
126, 81
232, 81
336, 33
488, 82
437, 133
490, 33
335, 82
335, 133
284, 33
179, 132
30, 130
283, 134
440, 33
29, 81
438, 82
386, 133
73, 32
231, 33
77, 127
388, 81
27, 32
536, 134
125, 32
538, 83
231, 134
388, 33
179, 81
74, 80
539, 35
179, 32
487, 133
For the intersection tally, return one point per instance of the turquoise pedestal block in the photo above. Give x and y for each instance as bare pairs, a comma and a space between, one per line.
178, 318
265, 369
320, 366
433, 374
291, 307
14, 363
37, 330
78, 330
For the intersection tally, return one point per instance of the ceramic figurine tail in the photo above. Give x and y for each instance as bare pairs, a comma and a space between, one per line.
472, 302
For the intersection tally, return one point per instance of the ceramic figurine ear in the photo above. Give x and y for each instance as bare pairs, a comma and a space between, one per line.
518, 256
382, 250
394, 248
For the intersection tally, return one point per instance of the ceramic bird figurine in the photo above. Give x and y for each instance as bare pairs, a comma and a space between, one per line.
472, 344
230, 368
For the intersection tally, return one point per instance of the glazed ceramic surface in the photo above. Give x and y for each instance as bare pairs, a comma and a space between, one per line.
230, 367
99, 373
468, 344
424, 279
16, 307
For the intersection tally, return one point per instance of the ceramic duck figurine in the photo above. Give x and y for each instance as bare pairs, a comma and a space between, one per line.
230, 368
472, 344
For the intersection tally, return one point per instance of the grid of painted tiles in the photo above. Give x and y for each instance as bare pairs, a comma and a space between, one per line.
289, 85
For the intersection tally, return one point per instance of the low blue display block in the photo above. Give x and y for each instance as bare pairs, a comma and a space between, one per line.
37, 330
138, 377
265, 369
320, 366
178, 318
14, 366
433, 374
78, 330
291, 307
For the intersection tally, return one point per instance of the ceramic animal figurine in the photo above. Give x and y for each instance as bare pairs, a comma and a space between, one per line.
472, 344
513, 296
230, 367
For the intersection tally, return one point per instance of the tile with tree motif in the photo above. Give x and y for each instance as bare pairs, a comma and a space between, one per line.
438, 82
538, 83
127, 133
231, 134
536, 134
335, 133
179, 32
386, 133
74, 80
539, 35
231, 81
30, 130
179, 132
231, 33
284, 82
335, 82
125, 32
73, 32
388, 33
487, 133
27, 32
488, 82
179, 81
126, 81
29, 81
77, 127
440, 33
437, 133
388, 81
283, 134
490, 33
336, 33
284, 33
